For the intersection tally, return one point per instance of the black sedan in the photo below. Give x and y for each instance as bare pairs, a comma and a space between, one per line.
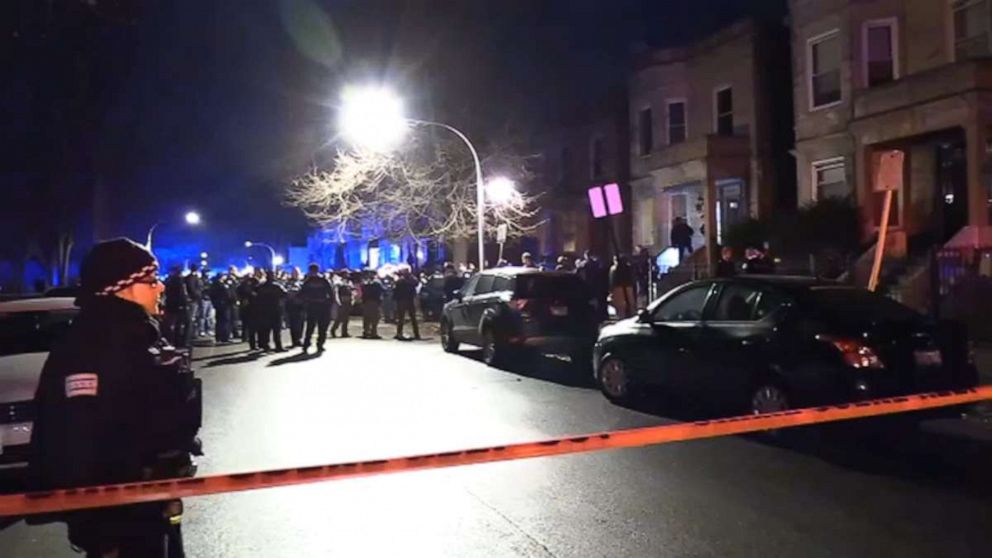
764, 344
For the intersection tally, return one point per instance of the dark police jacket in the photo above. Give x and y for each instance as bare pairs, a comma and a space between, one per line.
115, 403
317, 290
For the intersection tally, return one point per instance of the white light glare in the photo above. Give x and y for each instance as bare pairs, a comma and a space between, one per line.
278, 260
501, 190
372, 117
193, 218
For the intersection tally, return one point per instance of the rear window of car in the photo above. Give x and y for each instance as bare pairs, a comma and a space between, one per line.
846, 301
502, 284
550, 286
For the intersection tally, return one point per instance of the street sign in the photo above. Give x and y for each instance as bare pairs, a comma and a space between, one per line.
501, 231
597, 202
605, 200
888, 173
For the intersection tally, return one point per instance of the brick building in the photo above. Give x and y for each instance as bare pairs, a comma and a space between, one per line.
709, 139
871, 75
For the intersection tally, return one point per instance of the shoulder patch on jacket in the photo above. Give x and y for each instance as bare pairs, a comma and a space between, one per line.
81, 384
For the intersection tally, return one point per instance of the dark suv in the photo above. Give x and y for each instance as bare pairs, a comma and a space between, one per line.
505, 310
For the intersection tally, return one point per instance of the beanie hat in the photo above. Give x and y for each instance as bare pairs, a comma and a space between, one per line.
114, 265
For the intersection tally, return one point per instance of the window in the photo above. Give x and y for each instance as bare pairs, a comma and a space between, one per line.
736, 304
769, 303
502, 284
879, 51
686, 306
645, 130
724, 111
469, 288
596, 154
971, 29
676, 122
485, 284
830, 179
545, 286
824, 69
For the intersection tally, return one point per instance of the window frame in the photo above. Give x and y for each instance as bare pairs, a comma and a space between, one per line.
810, 43
893, 24
955, 7
668, 119
716, 108
707, 301
815, 166
492, 284
642, 130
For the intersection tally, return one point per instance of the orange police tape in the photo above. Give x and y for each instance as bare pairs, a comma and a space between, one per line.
118, 494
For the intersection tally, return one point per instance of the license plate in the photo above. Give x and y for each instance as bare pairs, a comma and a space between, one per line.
559, 310
927, 358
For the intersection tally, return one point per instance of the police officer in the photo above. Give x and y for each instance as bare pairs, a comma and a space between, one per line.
116, 403
343, 292
406, 295
371, 305
268, 303
294, 308
247, 289
317, 294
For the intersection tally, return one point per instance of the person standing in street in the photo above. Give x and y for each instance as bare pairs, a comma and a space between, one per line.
726, 266
176, 321
116, 403
344, 294
194, 292
405, 294
294, 308
371, 306
527, 260
222, 308
681, 237
246, 306
622, 287
452, 282
317, 294
268, 303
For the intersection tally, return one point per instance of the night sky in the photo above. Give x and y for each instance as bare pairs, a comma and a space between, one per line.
215, 105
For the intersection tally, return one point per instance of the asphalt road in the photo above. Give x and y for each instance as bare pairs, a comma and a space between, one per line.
821, 493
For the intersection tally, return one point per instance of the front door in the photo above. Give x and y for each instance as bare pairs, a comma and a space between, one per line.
732, 207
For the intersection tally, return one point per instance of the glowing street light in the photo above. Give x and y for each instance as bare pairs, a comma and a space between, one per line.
278, 260
372, 117
501, 190
192, 218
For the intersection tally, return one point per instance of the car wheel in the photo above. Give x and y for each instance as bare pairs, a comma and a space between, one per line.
448, 342
768, 397
614, 380
492, 352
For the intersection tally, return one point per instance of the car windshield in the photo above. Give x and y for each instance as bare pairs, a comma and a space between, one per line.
841, 302
550, 286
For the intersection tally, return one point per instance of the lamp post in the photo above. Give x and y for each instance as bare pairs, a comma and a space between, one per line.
373, 117
272, 252
192, 218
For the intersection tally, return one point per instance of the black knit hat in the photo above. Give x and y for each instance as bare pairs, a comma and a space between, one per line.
114, 265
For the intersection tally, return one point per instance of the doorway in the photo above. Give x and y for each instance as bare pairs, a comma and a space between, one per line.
731, 208
951, 193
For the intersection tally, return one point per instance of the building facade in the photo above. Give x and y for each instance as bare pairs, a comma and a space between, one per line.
914, 75
588, 149
707, 144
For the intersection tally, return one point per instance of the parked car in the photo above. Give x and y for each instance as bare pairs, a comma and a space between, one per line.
27, 329
510, 309
764, 344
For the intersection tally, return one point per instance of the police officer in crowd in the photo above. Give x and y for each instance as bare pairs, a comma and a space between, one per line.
405, 294
294, 308
268, 303
194, 293
218, 294
116, 403
246, 298
176, 321
344, 296
317, 294
371, 306
453, 281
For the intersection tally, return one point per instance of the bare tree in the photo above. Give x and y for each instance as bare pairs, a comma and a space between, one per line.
426, 190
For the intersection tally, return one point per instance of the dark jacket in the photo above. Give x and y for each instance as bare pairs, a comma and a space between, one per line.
246, 290
269, 297
113, 398
194, 287
372, 291
682, 235
726, 268
405, 290
316, 289
176, 297
218, 293
452, 283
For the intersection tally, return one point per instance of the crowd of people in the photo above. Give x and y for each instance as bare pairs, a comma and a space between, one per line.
256, 306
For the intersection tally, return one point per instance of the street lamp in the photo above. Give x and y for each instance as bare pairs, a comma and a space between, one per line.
373, 118
272, 252
192, 218
278, 260
501, 190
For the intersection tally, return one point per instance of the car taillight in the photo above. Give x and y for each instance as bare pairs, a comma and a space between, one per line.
854, 353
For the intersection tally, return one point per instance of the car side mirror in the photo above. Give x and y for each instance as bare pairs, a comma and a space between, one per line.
643, 316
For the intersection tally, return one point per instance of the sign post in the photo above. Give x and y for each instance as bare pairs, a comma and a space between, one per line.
606, 201
888, 179
501, 232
